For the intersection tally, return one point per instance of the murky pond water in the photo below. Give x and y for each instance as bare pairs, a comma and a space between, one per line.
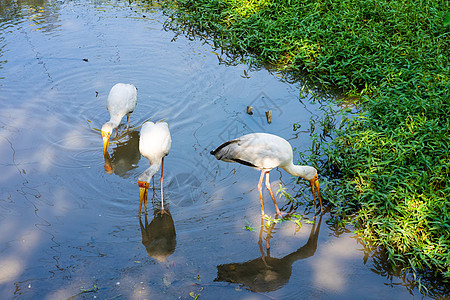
67, 227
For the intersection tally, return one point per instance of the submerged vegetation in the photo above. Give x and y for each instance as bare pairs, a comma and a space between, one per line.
390, 164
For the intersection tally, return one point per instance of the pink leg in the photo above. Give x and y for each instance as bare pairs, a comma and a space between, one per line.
145, 201
128, 118
162, 173
271, 193
260, 192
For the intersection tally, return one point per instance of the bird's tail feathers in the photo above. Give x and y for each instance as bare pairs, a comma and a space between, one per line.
221, 150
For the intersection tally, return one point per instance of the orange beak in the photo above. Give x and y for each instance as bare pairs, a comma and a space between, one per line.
315, 182
143, 191
105, 137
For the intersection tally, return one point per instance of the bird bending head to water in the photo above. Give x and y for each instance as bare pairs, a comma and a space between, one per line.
264, 152
154, 144
121, 101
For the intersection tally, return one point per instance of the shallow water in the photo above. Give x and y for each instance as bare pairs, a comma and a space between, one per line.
67, 227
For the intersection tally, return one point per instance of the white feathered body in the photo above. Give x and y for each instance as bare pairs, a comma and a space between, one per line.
154, 144
256, 150
262, 151
121, 101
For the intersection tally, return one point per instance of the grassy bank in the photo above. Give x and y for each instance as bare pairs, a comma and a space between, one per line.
393, 161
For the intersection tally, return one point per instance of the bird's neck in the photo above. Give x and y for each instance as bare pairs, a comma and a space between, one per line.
115, 121
148, 174
305, 172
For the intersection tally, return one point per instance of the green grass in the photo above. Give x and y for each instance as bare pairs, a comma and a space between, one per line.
395, 164
392, 161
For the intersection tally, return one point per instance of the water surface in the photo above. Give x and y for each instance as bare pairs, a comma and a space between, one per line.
68, 227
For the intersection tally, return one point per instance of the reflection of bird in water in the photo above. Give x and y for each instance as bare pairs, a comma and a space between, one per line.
264, 152
125, 156
159, 237
121, 101
154, 144
266, 274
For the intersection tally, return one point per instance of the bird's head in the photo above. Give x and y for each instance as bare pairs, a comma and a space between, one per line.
143, 190
107, 129
314, 183
308, 173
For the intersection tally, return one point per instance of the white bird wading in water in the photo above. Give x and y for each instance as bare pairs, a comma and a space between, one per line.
121, 101
154, 144
264, 152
